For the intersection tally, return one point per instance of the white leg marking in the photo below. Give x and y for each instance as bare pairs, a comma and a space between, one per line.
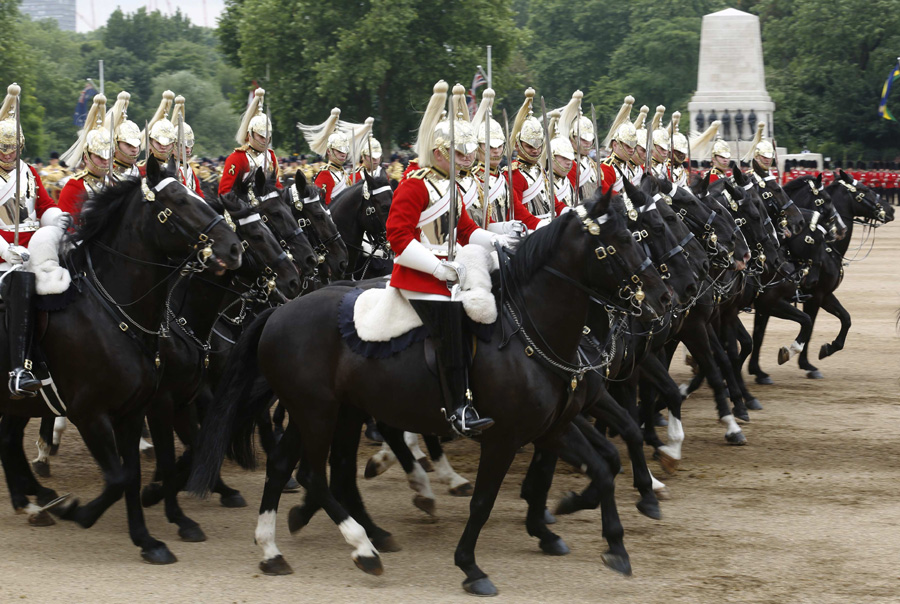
412, 441
676, 437
657, 485
355, 535
445, 474
265, 535
731, 426
59, 426
384, 459
145, 445
418, 481
683, 389
43, 451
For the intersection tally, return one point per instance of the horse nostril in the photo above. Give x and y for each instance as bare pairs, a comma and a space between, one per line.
691, 290
294, 288
666, 299
343, 266
236, 251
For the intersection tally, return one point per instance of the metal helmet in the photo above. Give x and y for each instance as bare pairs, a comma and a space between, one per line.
661, 138
640, 136
164, 133
496, 134
94, 138
562, 147
339, 141
377, 151
254, 121
583, 127
680, 143
626, 134
765, 149
720, 147
465, 140
8, 142
97, 142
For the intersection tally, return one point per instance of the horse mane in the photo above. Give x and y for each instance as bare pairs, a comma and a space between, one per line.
536, 249
102, 212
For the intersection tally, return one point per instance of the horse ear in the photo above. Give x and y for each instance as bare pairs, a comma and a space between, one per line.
300, 180
216, 203
819, 181
153, 172
704, 184
259, 181
170, 166
601, 205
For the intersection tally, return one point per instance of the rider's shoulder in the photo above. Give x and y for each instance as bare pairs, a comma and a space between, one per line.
421, 174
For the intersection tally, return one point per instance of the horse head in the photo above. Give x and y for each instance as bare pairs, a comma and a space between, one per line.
311, 214
189, 224
267, 262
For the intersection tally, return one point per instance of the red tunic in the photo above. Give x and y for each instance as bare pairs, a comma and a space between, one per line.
42, 203
520, 210
410, 200
411, 167
325, 181
237, 165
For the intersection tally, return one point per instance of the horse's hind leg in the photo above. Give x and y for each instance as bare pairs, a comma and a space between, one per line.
19, 479
41, 463
443, 471
128, 437
760, 321
59, 426
832, 305
343, 477
535, 487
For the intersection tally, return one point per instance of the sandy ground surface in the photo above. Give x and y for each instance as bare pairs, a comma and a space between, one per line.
805, 513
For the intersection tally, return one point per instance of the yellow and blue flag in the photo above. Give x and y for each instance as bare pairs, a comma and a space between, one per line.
892, 80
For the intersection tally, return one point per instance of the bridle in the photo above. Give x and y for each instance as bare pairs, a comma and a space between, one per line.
320, 245
373, 227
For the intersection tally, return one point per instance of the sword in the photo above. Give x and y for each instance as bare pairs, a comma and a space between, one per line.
596, 144
509, 195
371, 159
648, 146
451, 242
577, 192
487, 168
112, 148
146, 144
676, 117
266, 147
18, 167
548, 178
179, 153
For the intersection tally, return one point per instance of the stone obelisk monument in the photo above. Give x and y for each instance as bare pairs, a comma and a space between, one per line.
731, 79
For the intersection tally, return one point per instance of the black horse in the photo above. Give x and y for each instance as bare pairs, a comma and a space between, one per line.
360, 213
103, 348
588, 252
308, 207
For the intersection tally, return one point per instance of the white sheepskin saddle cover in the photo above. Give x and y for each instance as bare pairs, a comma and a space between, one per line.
43, 246
383, 314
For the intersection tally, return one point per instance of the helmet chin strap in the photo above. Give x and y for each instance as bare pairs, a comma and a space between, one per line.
93, 168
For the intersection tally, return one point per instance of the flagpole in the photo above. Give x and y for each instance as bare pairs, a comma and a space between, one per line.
102, 87
490, 84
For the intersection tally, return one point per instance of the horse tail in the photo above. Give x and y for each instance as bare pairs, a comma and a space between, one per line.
241, 392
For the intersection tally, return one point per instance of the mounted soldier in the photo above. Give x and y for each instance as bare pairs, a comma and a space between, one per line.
255, 137
160, 136
31, 227
659, 144
472, 189
528, 176
761, 153
622, 141
639, 158
365, 151
90, 157
680, 152
126, 140
581, 134
332, 142
706, 144
184, 147
563, 157
424, 267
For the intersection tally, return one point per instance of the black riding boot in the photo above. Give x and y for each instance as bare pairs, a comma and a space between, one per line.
17, 293
444, 321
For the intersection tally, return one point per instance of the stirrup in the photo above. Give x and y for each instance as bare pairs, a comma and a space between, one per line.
466, 421
22, 383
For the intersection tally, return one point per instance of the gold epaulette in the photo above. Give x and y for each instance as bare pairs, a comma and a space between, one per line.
80, 175
419, 174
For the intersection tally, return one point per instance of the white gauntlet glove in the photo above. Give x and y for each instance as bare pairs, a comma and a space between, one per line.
451, 272
510, 227
15, 254
510, 242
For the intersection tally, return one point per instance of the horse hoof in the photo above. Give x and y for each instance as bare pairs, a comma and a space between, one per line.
554, 546
425, 504
815, 374
54, 449
374, 435
234, 500
754, 405
386, 544
464, 490
41, 468
480, 587
276, 566
48, 499
371, 565
824, 351
192, 534
297, 519
567, 505
291, 486
741, 414
663, 494
151, 494
764, 380
736, 438
426, 464
548, 517
668, 463
159, 554
373, 468
784, 355
42, 518
618, 563
650, 509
